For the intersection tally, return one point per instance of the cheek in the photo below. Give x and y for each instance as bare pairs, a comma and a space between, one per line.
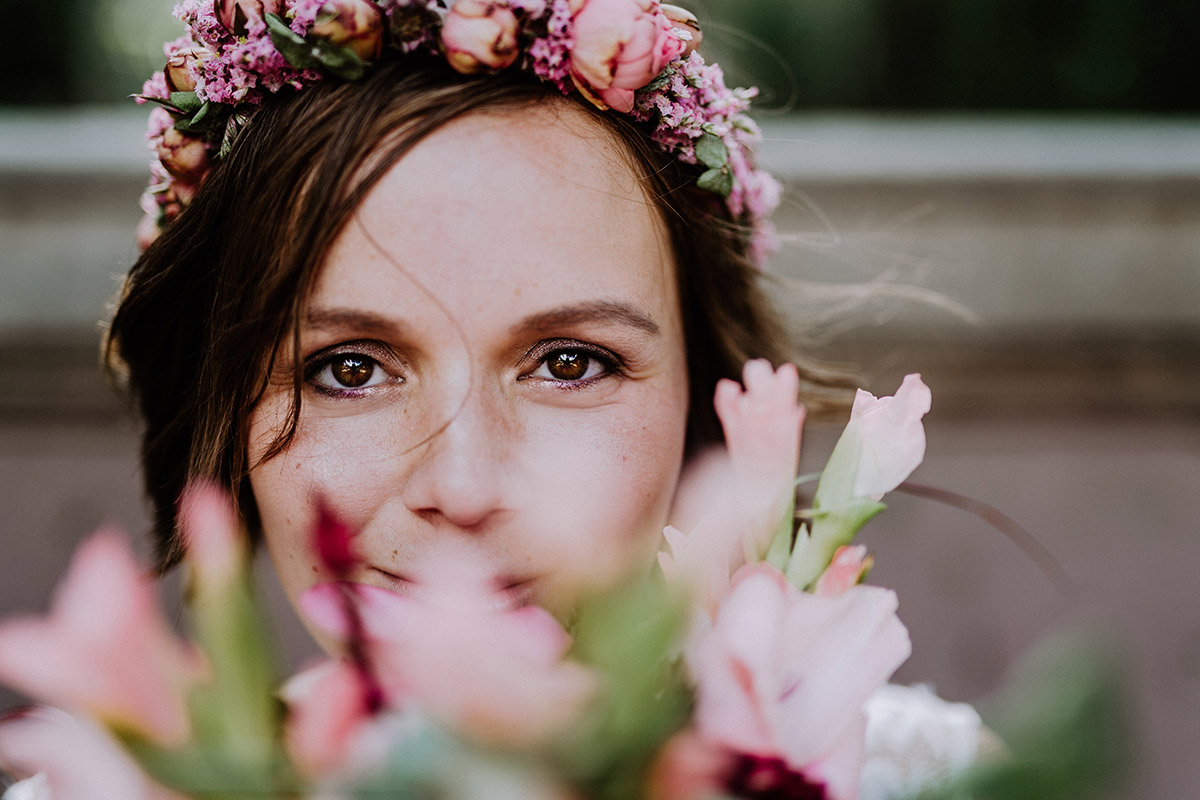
326, 460
605, 487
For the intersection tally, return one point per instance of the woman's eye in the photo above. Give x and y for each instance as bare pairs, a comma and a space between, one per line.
572, 366
348, 372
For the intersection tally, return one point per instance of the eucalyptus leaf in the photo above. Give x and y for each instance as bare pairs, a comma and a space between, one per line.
233, 125
711, 151
186, 102
717, 181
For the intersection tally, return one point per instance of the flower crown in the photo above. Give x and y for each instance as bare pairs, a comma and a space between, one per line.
636, 57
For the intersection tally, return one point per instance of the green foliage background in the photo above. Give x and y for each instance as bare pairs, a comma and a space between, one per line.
1120, 55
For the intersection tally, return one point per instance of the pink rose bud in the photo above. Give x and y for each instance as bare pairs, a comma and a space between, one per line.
849, 567
686, 21
185, 157
354, 24
234, 13
480, 35
182, 68
620, 46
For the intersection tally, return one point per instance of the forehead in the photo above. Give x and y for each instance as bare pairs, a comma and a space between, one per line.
506, 208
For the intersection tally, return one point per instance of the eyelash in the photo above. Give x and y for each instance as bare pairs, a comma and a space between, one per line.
371, 353
375, 354
612, 363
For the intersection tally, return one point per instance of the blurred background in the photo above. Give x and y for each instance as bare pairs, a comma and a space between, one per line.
1003, 195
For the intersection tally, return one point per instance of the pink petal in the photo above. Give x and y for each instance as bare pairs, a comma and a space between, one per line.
784, 673
79, 759
849, 564
105, 648
211, 532
326, 708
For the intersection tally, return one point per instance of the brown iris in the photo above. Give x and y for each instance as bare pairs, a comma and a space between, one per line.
352, 371
568, 365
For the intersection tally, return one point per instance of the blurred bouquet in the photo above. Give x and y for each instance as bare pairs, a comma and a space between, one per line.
743, 666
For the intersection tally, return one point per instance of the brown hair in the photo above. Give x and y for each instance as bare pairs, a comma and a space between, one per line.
208, 305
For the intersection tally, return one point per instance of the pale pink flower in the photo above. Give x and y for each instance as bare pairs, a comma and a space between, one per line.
734, 503
327, 709
480, 35
762, 424
620, 46
79, 759
494, 676
849, 566
892, 436
354, 24
105, 648
784, 674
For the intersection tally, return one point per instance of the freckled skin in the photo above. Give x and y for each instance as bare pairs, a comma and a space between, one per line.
468, 450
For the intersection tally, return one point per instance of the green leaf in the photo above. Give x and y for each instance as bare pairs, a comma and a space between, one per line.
340, 61
186, 102
659, 82
632, 635
711, 151
830, 529
318, 54
198, 119
717, 181
290, 44
157, 101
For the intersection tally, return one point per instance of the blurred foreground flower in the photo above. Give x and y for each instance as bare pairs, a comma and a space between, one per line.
105, 649
496, 677
692, 688
739, 502
784, 675
78, 759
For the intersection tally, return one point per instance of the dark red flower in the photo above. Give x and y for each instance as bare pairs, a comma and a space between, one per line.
769, 778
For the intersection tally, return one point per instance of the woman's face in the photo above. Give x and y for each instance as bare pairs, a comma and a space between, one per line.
494, 367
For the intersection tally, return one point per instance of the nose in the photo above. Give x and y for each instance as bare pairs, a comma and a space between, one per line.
458, 476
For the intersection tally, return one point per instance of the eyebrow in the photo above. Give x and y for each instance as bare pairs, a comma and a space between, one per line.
368, 321
606, 311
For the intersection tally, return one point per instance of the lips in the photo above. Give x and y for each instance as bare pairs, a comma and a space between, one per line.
498, 594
